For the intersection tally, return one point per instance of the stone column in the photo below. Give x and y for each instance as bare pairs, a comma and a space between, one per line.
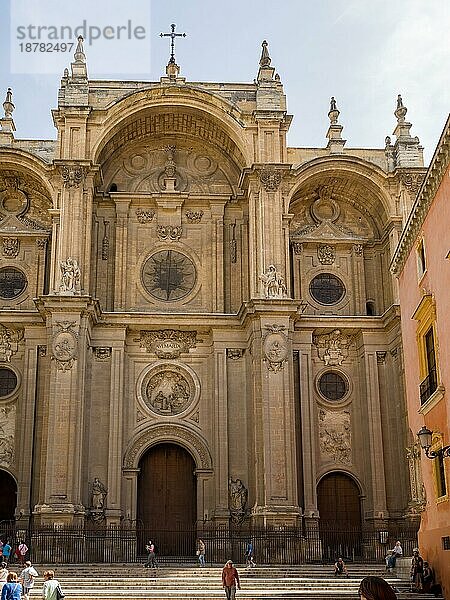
217, 210
120, 289
358, 279
220, 402
69, 320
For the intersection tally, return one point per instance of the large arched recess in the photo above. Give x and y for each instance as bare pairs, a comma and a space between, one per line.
8, 496
349, 179
203, 115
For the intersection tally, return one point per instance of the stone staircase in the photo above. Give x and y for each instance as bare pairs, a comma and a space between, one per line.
190, 582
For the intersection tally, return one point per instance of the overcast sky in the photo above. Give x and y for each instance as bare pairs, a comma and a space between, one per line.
363, 52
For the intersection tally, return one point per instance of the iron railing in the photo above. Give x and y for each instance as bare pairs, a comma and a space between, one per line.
272, 545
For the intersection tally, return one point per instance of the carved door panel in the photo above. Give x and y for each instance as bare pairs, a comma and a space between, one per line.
167, 497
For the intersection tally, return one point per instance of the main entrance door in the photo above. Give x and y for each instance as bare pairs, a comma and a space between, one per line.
167, 499
338, 501
8, 496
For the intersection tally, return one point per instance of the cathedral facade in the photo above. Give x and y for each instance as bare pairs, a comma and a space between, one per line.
198, 322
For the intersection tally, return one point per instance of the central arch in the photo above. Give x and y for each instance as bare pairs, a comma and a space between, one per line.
167, 498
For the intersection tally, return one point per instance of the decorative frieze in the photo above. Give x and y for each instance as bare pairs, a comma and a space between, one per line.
168, 343
11, 247
332, 347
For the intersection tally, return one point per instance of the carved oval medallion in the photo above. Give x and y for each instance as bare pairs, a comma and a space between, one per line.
275, 347
64, 346
168, 390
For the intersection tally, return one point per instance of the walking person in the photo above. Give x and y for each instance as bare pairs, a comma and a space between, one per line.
6, 552
21, 551
416, 571
27, 578
12, 588
375, 588
51, 590
249, 562
151, 559
3, 574
201, 550
230, 579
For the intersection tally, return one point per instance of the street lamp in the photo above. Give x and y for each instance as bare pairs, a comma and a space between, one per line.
425, 437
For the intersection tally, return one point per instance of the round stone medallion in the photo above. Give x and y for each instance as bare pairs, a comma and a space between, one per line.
169, 275
168, 390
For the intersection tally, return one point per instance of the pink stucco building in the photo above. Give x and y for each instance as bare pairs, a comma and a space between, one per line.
422, 264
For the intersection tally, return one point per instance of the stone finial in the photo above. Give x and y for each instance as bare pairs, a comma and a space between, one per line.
335, 142
407, 149
8, 105
79, 52
401, 110
333, 113
265, 59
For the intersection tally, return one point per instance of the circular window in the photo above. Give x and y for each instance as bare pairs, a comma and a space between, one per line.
332, 386
326, 288
12, 282
169, 275
8, 382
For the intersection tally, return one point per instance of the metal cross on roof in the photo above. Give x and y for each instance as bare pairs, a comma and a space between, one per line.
172, 35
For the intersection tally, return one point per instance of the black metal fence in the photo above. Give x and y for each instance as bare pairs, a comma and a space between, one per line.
272, 545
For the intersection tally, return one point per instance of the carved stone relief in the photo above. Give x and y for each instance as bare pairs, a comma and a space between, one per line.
24, 205
233, 243
237, 499
72, 175
275, 347
412, 182
335, 436
326, 254
65, 345
332, 347
270, 179
194, 216
169, 233
145, 216
7, 430
168, 343
9, 340
188, 439
418, 499
11, 247
168, 390
105, 240
102, 353
235, 353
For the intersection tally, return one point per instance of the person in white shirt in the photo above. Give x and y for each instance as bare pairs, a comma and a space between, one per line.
396, 552
27, 578
50, 587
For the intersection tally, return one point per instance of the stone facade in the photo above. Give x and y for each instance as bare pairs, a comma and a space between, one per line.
180, 275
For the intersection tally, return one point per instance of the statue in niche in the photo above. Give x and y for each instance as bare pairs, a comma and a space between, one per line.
98, 494
70, 276
238, 496
274, 286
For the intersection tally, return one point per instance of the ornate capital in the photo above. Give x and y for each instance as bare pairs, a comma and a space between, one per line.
194, 216
297, 247
326, 254
235, 353
102, 353
270, 179
72, 175
168, 343
412, 182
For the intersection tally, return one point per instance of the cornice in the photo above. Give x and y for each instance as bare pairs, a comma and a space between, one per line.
425, 197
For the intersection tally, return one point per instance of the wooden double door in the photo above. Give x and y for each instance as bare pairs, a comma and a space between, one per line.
167, 498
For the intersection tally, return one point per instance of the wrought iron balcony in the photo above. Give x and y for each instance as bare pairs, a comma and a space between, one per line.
428, 386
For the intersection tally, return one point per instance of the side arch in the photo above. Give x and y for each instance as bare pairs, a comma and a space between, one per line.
177, 434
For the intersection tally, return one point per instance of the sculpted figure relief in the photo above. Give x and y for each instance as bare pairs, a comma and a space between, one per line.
238, 496
274, 285
70, 276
